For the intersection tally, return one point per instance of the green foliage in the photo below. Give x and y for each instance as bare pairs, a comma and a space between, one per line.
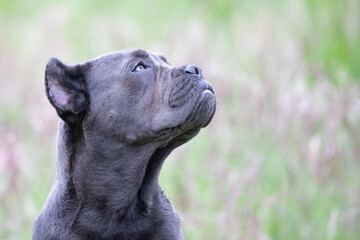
333, 36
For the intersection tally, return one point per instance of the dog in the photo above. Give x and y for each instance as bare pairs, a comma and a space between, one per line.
121, 115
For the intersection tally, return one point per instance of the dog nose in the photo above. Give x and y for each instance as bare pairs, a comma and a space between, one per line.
192, 69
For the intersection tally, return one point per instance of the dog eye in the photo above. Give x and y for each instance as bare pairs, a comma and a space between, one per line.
139, 67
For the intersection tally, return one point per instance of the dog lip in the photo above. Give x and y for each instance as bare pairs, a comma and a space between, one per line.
209, 88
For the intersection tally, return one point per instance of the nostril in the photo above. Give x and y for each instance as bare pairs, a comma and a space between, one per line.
192, 69
196, 71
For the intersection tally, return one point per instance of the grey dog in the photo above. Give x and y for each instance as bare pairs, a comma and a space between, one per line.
121, 116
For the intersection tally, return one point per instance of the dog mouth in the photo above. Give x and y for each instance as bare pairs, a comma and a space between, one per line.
209, 89
201, 114
206, 105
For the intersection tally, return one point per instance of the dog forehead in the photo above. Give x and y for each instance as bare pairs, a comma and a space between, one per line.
124, 56
115, 65
143, 54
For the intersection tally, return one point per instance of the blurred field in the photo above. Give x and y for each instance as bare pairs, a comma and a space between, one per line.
281, 158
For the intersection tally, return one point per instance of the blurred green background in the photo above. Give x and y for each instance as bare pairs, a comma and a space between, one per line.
281, 158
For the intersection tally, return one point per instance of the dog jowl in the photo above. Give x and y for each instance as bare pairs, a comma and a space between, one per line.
121, 115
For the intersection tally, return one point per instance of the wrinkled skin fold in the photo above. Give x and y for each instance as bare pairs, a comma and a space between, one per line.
121, 115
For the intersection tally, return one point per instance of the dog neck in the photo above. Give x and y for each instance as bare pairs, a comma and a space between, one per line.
112, 180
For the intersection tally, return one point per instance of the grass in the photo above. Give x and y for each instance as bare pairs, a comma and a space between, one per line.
280, 159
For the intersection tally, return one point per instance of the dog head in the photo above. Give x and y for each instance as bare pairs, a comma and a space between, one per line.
133, 96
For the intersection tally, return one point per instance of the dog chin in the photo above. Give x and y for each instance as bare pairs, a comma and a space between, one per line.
202, 117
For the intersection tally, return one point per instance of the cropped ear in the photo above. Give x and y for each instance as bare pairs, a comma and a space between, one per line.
66, 90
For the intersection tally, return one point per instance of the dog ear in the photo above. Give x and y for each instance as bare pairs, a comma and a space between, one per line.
66, 90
